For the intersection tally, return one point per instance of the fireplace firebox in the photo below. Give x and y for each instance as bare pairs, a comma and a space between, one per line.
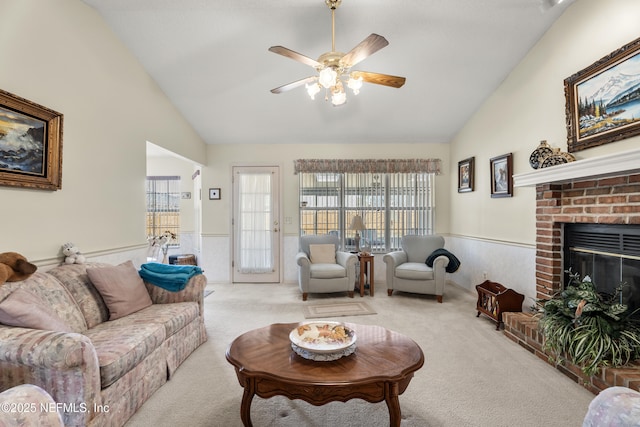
609, 254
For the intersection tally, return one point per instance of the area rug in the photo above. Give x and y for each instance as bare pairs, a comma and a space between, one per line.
315, 311
207, 293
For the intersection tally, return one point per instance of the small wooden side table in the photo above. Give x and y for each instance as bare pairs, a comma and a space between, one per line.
366, 261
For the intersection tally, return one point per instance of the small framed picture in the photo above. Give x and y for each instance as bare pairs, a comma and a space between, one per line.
465, 175
501, 175
214, 194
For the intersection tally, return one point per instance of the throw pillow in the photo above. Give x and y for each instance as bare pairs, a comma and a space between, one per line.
322, 254
27, 310
121, 288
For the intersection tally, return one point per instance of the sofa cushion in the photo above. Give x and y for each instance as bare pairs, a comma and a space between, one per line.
53, 294
27, 310
327, 271
173, 316
74, 277
120, 348
121, 288
414, 271
322, 254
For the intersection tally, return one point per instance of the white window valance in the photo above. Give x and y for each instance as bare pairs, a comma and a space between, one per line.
367, 165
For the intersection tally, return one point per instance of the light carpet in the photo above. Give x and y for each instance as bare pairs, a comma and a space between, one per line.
356, 308
473, 375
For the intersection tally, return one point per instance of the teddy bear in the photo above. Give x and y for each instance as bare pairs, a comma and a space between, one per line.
72, 254
14, 267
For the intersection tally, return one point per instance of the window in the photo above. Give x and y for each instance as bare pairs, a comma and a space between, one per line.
390, 204
163, 206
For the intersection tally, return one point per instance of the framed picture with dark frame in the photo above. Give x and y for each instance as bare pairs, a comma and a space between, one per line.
30, 144
466, 174
501, 175
603, 100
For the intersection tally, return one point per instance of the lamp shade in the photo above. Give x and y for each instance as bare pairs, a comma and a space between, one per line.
327, 77
356, 223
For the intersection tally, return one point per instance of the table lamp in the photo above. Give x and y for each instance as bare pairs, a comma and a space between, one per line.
357, 225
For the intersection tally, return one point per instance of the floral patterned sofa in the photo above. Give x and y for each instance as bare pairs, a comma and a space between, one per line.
614, 407
99, 362
28, 405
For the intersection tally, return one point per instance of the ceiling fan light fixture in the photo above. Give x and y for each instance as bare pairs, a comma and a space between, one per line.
355, 83
327, 77
313, 89
338, 95
333, 67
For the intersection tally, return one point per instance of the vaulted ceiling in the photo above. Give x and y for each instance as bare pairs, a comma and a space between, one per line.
210, 57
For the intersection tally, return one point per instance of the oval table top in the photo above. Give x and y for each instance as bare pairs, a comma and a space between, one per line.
380, 355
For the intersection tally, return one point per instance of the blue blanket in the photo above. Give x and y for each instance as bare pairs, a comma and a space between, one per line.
173, 278
454, 262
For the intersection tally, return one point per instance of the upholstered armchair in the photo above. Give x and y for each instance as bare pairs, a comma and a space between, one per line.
322, 268
408, 271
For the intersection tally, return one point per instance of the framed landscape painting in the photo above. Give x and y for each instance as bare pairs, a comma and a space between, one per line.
501, 175
603, 100
30, 144
465, 175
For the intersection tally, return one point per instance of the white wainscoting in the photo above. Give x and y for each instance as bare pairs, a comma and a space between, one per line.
216, 258
115, 256
510, 264
290, 268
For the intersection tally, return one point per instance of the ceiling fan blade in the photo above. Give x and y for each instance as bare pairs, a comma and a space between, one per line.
281, 50
365, 48
293, 85
379, 79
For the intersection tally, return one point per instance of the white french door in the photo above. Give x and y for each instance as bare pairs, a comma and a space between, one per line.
256, 224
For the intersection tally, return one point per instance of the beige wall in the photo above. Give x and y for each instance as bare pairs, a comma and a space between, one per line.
60, 54
530, 106
216, 214
222, 157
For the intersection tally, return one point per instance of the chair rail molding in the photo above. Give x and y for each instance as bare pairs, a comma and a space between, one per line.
610, 165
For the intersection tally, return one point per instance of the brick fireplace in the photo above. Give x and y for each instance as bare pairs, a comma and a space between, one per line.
605, 190
595, 201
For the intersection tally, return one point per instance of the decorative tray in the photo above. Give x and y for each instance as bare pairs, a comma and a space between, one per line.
323, 340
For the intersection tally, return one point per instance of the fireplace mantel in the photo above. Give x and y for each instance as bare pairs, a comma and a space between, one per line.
622, 163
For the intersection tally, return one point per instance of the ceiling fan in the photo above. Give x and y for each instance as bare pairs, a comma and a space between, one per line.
334, 68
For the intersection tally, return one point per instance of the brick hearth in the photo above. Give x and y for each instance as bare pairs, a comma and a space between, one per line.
522, 328
595, 201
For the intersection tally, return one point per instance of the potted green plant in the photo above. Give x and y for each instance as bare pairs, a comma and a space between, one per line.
590, 329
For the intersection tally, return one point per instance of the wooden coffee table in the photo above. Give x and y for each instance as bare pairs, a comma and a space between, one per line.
380, 369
